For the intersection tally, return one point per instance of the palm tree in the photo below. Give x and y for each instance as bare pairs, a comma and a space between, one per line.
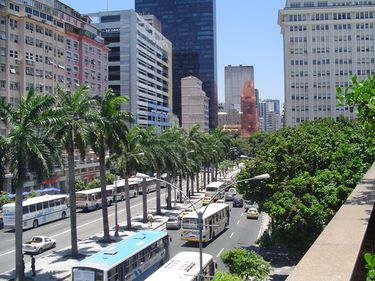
28, 149
127, 161
110, 127
76, 118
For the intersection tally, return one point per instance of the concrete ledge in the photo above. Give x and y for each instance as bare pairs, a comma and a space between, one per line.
338, 250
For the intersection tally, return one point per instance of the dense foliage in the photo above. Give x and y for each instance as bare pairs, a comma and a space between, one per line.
248, 265
313, 169
225, 276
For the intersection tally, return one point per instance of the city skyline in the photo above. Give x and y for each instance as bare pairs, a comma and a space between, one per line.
247, 34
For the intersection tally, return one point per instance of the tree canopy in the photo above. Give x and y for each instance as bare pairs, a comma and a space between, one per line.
313, 169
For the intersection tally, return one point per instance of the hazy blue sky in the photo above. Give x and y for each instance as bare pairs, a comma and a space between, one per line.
247, 34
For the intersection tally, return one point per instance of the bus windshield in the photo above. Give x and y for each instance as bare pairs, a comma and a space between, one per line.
189, 223
83, 274
208, 188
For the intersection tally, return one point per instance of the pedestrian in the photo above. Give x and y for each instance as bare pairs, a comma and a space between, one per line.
33, 265
150, 218
166, 200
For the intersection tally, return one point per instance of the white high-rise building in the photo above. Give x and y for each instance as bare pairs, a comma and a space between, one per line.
235, 77
325, 44
139, 65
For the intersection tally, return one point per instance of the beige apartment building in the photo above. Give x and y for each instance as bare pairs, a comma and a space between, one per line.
194, 104
44, 44
325, 44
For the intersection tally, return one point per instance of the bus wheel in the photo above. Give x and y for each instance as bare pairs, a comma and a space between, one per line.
35, 224
63, 216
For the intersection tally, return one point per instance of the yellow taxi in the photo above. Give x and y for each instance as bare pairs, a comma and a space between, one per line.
252, 213
206, 200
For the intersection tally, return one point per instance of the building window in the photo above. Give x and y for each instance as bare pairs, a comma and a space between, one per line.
2, 84
13, 54
113, 18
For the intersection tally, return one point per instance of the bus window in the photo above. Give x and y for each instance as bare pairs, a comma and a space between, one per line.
45, 205
52, 203
57, 202
25, 209
39, 206
32, 208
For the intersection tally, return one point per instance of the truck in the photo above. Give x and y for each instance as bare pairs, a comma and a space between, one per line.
38, 244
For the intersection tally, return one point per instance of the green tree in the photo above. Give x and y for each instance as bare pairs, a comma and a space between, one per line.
75, 117
225, 276
127, 160
108, 129
92, 184
28, 149
4, 198
80, 185
32, 194
246, 264
361, 97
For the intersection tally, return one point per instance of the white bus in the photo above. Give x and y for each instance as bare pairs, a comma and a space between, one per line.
150, 183
217, 187
215, 220
37, 210
91, 199
134, 258
120, 184
185, 267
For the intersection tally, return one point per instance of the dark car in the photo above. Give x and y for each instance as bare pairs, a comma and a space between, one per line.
229, 196
238, 202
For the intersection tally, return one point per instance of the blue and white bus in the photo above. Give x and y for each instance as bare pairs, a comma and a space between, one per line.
134, 258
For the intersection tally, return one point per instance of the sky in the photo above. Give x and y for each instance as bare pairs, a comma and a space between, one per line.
247, 34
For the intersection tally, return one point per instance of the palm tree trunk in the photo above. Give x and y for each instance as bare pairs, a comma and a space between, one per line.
72, 199
204, 177
187, 186
127, 203
103, 185
158, 194
144, 199
192, 184
180, 185
19, 233
169, 191
197, 175
216, 167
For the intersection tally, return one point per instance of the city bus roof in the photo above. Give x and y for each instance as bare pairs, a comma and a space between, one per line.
211, 209
183, 266
93, 190
215, 184
116, 253
38, 199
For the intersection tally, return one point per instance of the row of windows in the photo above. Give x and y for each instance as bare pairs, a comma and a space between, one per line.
335, 27
327, 16
44, 205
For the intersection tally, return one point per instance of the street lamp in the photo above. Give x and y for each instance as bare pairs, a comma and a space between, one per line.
200, 214
116, 219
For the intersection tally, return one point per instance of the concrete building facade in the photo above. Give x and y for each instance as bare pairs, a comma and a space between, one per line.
235, 77
325, 44
270, 119
140, 65
195, 104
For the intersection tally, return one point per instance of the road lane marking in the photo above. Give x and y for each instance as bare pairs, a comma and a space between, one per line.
220, 252
231, 235
83, 225
238, 222
242, 214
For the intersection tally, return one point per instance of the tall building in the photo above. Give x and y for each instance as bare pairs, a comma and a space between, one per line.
235, 77
191, 27
325, 44
194, 104
270, 119
140, 65
46, 44
34, 53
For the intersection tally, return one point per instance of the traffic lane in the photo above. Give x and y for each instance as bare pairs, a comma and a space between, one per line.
88, 224
241, 232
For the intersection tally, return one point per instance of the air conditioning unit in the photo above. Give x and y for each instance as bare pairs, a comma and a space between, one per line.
18, 61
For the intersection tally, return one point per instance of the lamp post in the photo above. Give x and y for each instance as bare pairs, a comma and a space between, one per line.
116, 219
200, 213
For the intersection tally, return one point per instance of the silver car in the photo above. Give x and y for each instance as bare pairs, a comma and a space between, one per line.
173, 223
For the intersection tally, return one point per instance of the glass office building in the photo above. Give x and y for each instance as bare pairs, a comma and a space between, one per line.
191, 27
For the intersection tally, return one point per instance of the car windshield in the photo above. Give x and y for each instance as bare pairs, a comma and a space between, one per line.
211, 189
172, 219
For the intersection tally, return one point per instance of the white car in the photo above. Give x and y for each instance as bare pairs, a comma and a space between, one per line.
232, 190
38, 244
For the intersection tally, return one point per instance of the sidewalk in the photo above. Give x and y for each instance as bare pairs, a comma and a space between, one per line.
57, 265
